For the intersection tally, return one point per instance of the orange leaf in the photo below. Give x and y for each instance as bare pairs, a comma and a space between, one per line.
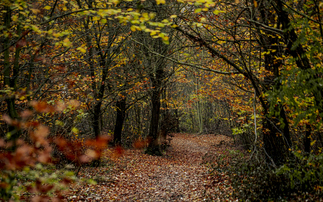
118, 151
42, 107
7, 119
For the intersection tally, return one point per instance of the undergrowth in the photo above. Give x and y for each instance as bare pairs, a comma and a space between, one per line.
299, 179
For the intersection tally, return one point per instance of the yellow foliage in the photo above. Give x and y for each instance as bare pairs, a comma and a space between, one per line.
160, 2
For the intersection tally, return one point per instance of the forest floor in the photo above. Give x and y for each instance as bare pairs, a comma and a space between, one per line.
179, 175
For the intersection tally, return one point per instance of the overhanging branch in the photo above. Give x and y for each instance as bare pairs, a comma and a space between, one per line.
212, 50
185, 63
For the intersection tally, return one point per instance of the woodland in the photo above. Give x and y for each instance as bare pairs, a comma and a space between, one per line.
161, 100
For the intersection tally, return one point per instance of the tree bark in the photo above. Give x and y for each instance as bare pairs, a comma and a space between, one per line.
153, 146
276, 140
121, 113
11, 72
307, 140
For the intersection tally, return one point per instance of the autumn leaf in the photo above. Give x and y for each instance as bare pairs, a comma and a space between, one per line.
21, 43
160, 2
2, 143
82, 49
42, 131
139, 144
255, 4
117, 152
39, 135
41, 106
73, 103
26, 113
85, 158
75, 130
60, 106
7, 119
66, 42
44, 156
100, 142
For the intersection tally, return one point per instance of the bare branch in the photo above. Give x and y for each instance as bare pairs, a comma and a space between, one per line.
186, 64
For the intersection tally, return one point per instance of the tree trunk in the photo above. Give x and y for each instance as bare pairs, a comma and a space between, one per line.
307, 140
276, 139
153, 146
96, 119
121, 113
11, 73
302, 61
275, 142
177, 121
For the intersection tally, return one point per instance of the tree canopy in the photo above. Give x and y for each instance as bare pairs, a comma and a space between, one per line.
77, 75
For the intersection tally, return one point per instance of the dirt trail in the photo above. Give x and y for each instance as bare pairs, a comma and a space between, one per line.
176, 176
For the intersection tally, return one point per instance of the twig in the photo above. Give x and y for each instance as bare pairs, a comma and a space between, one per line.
186, 64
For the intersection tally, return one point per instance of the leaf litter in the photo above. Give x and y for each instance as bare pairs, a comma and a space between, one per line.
178, 175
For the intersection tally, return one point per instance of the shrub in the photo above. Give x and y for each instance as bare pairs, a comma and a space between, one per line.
304, 173
26, 170
253, 180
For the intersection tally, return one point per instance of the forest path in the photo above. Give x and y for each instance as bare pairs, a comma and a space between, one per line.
179, 175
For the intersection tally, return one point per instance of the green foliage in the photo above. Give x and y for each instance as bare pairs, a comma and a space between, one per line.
244, 135
298, 93
254, 180
42, 181
304, 173
300, 86
243, 129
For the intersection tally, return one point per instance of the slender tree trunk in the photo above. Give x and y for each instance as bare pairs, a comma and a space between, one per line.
177, 121
307, 140
164, 120
96, 119
121, 113
199, 107
11, 72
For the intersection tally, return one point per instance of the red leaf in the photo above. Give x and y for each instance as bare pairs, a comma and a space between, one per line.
21, 43
37, 59
25, 114
3, 185
7, 119
140, 144
67, 181
85, 159
101, 142
2, 143
42, 107
118, 151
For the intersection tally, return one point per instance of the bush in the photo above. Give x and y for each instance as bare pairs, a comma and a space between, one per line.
26, 169
253, 180
304, 173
